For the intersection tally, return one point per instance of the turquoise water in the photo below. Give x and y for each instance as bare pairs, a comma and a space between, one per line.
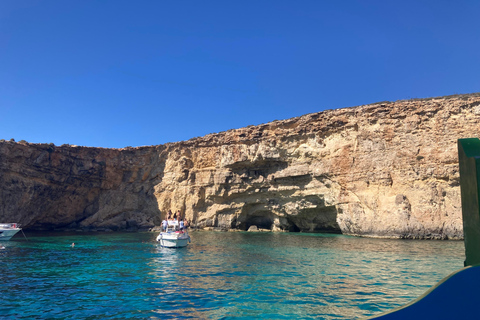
220, 275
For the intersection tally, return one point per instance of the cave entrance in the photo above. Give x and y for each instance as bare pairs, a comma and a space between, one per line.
263, 220
293, 227
315, 220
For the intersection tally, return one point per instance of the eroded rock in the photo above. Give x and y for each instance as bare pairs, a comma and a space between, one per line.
385, 170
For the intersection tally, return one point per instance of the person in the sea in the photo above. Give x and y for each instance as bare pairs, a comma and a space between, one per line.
164, 225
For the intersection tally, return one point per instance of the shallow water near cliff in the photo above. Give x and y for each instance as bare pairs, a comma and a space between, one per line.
219, 275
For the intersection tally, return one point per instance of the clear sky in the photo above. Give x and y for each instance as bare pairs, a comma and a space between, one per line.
114, 73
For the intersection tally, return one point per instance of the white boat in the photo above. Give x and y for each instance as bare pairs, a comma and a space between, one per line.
173, 237
8, 230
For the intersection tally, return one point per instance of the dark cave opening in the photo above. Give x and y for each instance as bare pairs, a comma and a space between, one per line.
293, 228
315, 220
261, 220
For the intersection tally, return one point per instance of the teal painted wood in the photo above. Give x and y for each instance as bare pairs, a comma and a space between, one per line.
469, 164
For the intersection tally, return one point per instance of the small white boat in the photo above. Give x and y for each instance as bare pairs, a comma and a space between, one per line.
173, 237
8, 230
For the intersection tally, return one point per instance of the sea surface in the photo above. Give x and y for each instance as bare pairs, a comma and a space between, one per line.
220, 275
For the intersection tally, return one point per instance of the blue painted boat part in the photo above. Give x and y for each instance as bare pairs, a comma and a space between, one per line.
455, 297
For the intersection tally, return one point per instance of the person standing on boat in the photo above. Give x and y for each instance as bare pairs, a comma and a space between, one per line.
181, 225
164, 225
169, 214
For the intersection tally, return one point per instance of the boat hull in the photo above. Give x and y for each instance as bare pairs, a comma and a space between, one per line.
7, 234
173, 240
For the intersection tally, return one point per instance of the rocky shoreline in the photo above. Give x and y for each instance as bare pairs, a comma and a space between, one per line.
387, 169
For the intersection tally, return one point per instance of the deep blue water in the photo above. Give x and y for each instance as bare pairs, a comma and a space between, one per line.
220, 275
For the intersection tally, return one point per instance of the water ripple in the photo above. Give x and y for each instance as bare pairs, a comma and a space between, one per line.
218, 276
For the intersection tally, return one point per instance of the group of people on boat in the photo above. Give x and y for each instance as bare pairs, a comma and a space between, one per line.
181, 222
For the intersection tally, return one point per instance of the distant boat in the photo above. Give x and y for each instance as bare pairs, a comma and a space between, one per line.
173, 237
8, 230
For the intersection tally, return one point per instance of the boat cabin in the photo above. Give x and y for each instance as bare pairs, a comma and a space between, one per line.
172, 226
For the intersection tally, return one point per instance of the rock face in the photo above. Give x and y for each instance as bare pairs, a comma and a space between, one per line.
384, 170
48, 187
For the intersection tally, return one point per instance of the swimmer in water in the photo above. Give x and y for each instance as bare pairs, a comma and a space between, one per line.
73, 245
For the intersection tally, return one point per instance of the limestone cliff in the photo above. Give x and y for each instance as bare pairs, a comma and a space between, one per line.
387, 169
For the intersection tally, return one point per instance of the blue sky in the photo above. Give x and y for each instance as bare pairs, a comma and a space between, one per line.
113, 73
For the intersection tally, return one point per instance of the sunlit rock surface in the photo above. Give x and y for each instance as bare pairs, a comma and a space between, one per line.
384, 170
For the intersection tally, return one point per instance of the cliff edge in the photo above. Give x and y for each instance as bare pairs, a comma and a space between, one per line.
382, 170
